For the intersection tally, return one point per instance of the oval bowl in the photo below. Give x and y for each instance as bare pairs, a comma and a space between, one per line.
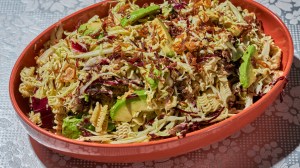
155, 149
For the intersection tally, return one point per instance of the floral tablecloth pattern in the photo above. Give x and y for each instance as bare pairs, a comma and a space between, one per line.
272, 140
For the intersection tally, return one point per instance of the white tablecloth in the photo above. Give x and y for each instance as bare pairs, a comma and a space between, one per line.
271, 140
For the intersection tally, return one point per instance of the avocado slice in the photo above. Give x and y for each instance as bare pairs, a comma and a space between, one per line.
89, 28
124, 109
70, 128
139, 14
163, 33
153, 83
247, 76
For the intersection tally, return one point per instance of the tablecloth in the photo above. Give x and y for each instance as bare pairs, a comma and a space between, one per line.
272, 140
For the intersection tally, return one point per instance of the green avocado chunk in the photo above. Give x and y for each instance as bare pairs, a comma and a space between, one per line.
139, 14
163, 33
89, 28
70, 128
153, 83
124, 109
111, 126
246, 69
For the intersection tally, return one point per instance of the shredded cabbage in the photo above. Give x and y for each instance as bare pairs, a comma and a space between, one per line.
182, 60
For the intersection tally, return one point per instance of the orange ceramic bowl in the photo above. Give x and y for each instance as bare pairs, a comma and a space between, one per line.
155, 149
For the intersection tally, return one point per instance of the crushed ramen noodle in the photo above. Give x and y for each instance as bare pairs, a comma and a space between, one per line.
151, 72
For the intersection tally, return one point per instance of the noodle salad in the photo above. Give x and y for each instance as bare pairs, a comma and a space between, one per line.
151, 72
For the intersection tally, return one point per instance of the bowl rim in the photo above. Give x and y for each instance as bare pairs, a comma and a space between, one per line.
207, 129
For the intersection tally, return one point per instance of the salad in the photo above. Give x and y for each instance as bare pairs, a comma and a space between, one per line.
151, 72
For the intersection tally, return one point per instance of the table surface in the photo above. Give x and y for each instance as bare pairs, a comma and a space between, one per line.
273, 139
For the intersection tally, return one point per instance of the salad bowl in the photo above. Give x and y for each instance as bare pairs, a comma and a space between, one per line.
157, 149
